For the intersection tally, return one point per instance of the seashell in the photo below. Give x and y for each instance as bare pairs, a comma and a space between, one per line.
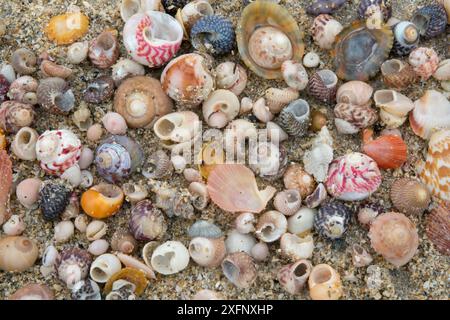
146, 43
424, 61
17, 253
51, 69
398, 74
293, 277
323, 85
365, 177
431, 20
324, 283
64, 230
395, 237
332, 220
188, 79
245, 222
128, 8
86, 289
27, 192
231, 76
406, 38
23, 61
360, 257
288, 201
174, 202
134, 263
15, 226
206, 294
233, 188
104, 267
267, 160
267, 35
104, 49
54, 95
191, 175
294, 74
87, 179
204, 229
239, 269
295, 247
72, 265
318, 120
102, 201
260, 251
354, 92
261, 111
81, 222
57, 150
118, 157
271, 226
6, 179
442, 73
53, 199
235, 136
147, 222
324, 6
359, 51
295, 118
94, 132
431, 113
277, 99
350, 118
324, 30
82, 118
366, 8
199, 195
72, 175
134, 192
275, 133
123, 241
433, 174
368, 212
311, 60
213, 34
318, 196
98, 247
388, 151
125, 68
135, 277
95, 230
296, 177
171, 6
4, 87
238, 242
302, 222
73, 208
437, 228
33, 291
170, 257
318, 158
77, 52
7, 73
99, 90
67, 28
114, 123
23, 89
157, 166
190, 12
394, 107
207, 252
24, 144
178, 162
15, 115
220, 107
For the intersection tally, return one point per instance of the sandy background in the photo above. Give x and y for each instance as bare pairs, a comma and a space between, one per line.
426, 276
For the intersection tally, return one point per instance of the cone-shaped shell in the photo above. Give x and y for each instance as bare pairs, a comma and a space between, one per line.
438, 228
233, 188
359, 51
410, 196
261, 14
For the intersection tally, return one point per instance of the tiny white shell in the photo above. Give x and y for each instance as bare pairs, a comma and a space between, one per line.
87, 179
271, 226
261, 111
295, 247
98, 247
72, 175
301, 222
170, 257
104, 267
96, 230
64, 230
260, 251
86, 158
311, 60
81, 222
14, 226
245, 222
236, 242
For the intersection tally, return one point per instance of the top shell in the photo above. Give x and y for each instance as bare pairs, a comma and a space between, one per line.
267, 35
359, 51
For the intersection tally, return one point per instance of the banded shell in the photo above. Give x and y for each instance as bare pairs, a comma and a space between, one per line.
295, 118
431, 20
323, 85
324, 30
410, 196
406, 38
438, 228
350, 118
398, 74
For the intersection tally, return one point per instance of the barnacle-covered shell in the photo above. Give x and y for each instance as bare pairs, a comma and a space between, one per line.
17, 253
332, 220
239, 269
213, 34
293, 277
389, 151
323, 85
410, 196
188, 79
431, 20
221, 107
324, 30
23, 61
353, 177
395, 237
438, 228
125, 68
296, 177
231, 76
141, 100
424, 61
406, 38
147, 222
268, 160
104, 49
267, 35
359, 51
294, 74
72, 265
15, 115
99, 90
398, 74
54, 95
294, 118
67, 28
102, 201
23, 89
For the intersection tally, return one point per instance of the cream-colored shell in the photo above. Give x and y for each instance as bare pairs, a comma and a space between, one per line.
443, 71
295, 247
302, 222
207, 252
24, 143
104, 267
394, 107
96, 230
170, 257
271, 226
324, 283
317, 159
221, 107
277, 99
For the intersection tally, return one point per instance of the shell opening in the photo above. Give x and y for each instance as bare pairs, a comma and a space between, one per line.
230, 270
162, 30
391, 67
24, 137
300, 270
164, 260
166, 127
384, 96
328, 77
65, 101
109, 191
421, 22
300, 109
106, 41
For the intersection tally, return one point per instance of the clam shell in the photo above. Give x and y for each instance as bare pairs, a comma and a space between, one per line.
388, 151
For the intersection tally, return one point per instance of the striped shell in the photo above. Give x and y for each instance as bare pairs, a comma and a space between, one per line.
431, 20
323, 86
398, 74
438, 228
332, 220
410, 196
295, 118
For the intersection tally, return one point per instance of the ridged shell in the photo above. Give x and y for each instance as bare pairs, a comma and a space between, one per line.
53, 200
147, 222
295, 118
262, 14
398, 74
213, 34
431, 20
55, 95
438, 228
406, 38
410, 196
388, 151
323, 86
332, 220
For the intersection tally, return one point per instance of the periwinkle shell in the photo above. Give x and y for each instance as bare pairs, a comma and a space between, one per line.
147, 222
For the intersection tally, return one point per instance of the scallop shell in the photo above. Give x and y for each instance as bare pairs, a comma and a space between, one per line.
398, 74
324, 30
388, 151
438, 228
410, 196
359, 51
67, 28
258, 21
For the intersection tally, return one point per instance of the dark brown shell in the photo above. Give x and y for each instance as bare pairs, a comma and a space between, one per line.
438, 228
99, 90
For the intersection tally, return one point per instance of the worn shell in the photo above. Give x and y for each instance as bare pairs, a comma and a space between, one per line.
52, 69
317, 159
409, 196
207, 252
213, 34
332, 220
170, 257
324, 30
293, 277
294, 74
424, 61
147, 222
55, 95
23, 61
15, 115
17, 253
438, 228
296, 177
288, 201
123, 241
67, 28
157, 165
23, 89
431, 20
239, 269
267, 160
99, 90
104, 49
33, 291
221, 107
231, 76
72, 265
296, 247
77, 52
324, 283
295, 118
398, 74
271, 226
125, 68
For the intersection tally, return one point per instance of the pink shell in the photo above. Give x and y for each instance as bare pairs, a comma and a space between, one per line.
424, 61
353, 177
166, 35
58, 150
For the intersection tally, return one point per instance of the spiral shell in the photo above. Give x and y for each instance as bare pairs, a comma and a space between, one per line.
277, 99
350, 118
191, 12
293, 277
207, 252
104, 49
99, 90
296, 247
221, 107
239, 269
77, 52
102, 201
271, 226
332, 220
157, 166
24, 61
323, 85
123, 241
398, 74
15, 115
213, 34
431, 20
86, 289
125, 68
53, 200
406, 38
170, 257
324, 30
410, 196
72, 265
288, 201
231, 76
294, 118
147, 222
104, 267
424, 61
51, 69
23, 89
54, 95
268, 160
438, 227
294, 74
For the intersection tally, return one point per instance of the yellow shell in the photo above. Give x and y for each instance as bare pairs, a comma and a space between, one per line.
135, 276
269, 15
210, 155
67, 28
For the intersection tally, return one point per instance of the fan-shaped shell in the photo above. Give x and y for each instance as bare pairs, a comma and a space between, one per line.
388, 151
438, 228
410, 196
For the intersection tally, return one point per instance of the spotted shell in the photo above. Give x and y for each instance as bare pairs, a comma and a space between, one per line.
359, 51
353, 177
274, 26
332, 219
58, 150
424, 61
324, 30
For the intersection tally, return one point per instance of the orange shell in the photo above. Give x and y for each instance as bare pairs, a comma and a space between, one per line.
67, 28
102, 201
135, 276
388, 151
2, 140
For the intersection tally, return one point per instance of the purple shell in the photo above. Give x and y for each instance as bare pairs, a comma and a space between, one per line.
324, 6
72, 265
147, 222
99, 90
4, 87
385, 6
